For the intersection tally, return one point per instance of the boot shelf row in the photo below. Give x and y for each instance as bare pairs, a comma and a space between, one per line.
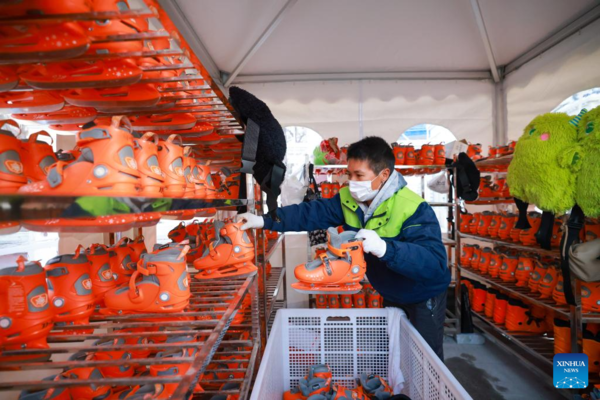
20, 207
226, 294
539, 346
522, 293
498, 242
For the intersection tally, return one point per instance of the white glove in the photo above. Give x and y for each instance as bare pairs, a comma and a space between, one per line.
253, 221
372, 243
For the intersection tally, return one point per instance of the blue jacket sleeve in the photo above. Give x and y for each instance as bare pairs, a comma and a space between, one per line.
310, 216
418, 252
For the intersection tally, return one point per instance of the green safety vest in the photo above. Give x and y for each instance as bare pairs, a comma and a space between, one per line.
388, 218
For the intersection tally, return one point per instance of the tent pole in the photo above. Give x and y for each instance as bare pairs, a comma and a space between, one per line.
499, 115
485, 39
260, 41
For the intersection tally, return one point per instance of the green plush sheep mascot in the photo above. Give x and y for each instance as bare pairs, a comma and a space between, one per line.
542, 169
587, 190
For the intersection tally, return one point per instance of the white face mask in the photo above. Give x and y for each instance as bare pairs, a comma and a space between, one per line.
361, 191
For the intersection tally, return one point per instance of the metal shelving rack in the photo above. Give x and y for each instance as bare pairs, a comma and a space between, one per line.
208, 334
212, 319
451, 243
536, 350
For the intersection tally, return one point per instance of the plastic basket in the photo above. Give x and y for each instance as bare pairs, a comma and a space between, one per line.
351, 341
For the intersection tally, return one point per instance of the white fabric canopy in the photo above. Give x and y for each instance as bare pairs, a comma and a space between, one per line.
356, 36
389, 107
542, 84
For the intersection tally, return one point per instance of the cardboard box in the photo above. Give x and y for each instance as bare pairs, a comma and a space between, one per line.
455, 147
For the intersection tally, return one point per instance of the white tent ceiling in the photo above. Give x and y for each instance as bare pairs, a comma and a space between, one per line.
332, 36
350, 68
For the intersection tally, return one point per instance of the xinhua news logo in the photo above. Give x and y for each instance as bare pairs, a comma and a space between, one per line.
571, 371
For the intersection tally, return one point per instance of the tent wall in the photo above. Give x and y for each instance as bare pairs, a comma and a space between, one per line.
332, 108
542, 84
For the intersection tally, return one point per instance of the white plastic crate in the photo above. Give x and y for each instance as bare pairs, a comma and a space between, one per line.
351, 341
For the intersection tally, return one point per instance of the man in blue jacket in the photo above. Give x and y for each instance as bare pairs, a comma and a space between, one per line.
406, 260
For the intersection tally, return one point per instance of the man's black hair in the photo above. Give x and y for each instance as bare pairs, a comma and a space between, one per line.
376, 151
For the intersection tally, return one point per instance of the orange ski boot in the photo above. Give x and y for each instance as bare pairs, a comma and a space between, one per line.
440, 154
56, 393
231, 254
590, 296
36, 101
524, 269
548, 283
536, 276
121, 260
339, 392
12, 175
592, 229
146, 157
100, 272
358, 300
373, 299
410, 157
68, 115
556, 233
321, 301
163, 122
474, 224
138, 247
70, 290
465, 222
479, 297
399, 153
346, 300
38, 157
495, 263
495, 226
558, 294
375, 387
484, 260
427, 155
339, 271
485, 222
138, 95
500, 306
507, 223
163, 287
490, 302
508, 268
86, 392
175, 369
519, 318
117, 371
562, 336
475, 257
466, 254
333, 301
527, 236
106, 166
44, 42
25, 313
474, 151
179, 233
86, 74
170, 159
